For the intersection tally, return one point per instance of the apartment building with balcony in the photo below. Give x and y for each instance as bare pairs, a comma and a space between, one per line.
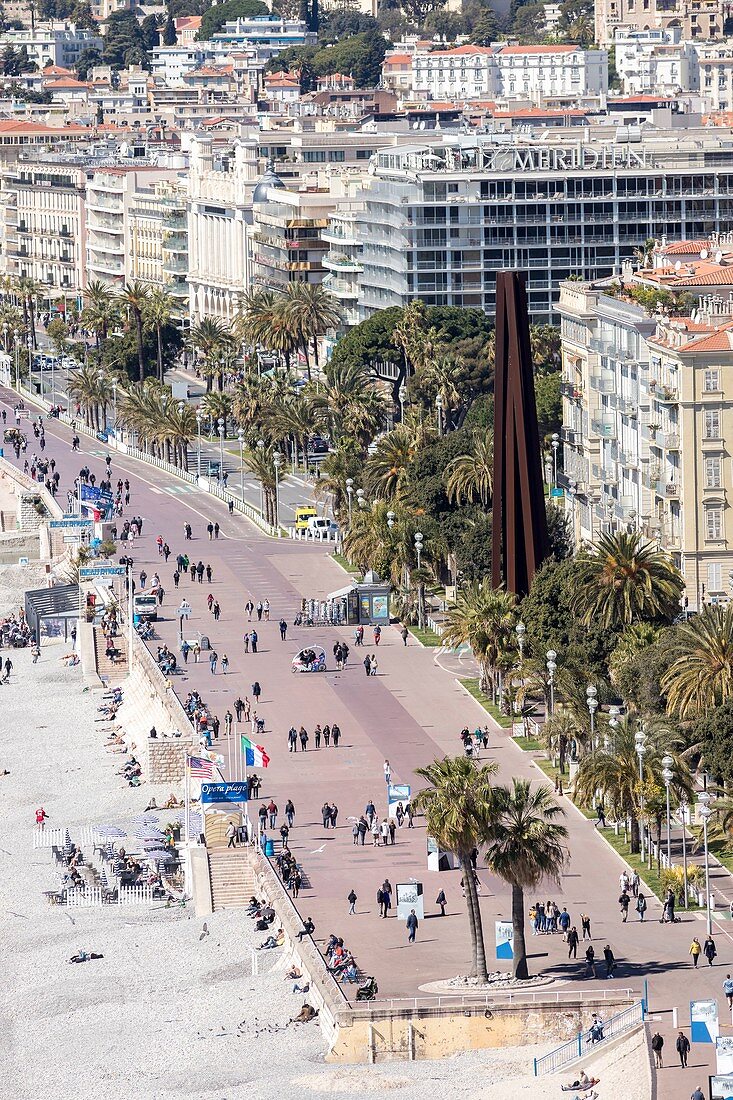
698, 19
287, 242
648, 425
158, 240
115, 216
43, 210
440, 218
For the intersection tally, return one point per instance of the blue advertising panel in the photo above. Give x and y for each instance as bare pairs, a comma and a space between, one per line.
223, 792
704, 1026
504, 939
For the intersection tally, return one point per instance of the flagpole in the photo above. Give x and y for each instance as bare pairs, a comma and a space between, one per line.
187, 799
246, 780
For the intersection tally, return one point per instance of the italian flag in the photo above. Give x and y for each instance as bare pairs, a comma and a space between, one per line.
255, 755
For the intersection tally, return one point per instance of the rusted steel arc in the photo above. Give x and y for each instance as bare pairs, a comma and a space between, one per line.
519, 525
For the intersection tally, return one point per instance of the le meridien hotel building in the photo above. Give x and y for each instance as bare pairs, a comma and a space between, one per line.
440, 219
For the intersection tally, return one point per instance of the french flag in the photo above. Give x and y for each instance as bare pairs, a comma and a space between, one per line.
254, 755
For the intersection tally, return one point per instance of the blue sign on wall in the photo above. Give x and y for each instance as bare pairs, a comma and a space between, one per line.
223, 792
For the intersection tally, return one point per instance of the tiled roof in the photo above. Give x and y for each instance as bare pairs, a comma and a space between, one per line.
397, 59
188, 22
462, 51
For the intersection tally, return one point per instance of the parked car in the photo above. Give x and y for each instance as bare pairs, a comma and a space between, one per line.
317, 445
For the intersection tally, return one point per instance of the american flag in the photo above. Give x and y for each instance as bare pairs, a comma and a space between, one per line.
200, 768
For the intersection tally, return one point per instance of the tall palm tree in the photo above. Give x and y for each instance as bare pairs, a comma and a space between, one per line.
349, 403
92, 392
310, 311
259, 461
386, 469
624, 579
484, 618
292, 418
612, 771
525, 844
469, 477
255, 316
135, 296
158, 312
29, 292
212, 340
458, 807
445, 378
701, 676
218, 406
101, 310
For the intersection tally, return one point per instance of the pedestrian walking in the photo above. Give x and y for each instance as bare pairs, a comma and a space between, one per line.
374, 667
624, 902
292, 739
387, 772
216, 611
442, 901
239, 707
272, 812
709, 950
260, 609
367, 664
326, 734
404, 634
209, 574
695, 951
573, 943
210, 529
303, 740
253, 639
590, 959
610, 961
266, 610
245, 641
225, 664
411, 927
683, 1048
213, 658
728, 990
352, 902
374, 830
256, 691
384, 833
317, 736
641, 907
657, 1047
216, 530
249, 608
290, 812
228, 719
231, 835
635, 884
336, 735
283, 630
601, 815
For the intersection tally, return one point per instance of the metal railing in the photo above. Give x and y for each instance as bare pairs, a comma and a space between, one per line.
502, 997
577, 1048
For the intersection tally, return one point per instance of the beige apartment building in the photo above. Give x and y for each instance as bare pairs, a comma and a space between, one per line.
648, 418
43, 212
699, 19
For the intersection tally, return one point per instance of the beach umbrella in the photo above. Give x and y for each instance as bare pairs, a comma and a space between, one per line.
111, 830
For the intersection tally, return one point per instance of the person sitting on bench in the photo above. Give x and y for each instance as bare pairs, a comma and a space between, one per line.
308, 929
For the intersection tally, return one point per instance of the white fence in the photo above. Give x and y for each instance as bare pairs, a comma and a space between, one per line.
90, 898
135, 895
94, 897
84, 836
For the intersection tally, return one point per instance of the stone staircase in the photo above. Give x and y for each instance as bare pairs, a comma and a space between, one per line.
232, 877
110, 672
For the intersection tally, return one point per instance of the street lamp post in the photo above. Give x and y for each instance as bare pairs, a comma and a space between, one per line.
220, 424
260, 448
551, 670
640, 740
420, 586
114, 405
277, 459
613, 717
705, 812
240, 437
198, 442
418, 546
668, 776
590, 695
521, 630
349, 491
439, 410
390, 520
16, 338
402, 393
360, 498
555, 445
683, 813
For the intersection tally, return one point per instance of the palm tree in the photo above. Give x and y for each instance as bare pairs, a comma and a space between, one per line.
458, 807
135, 297
349, 403
254, 319
701, 677
29, 293
92, 392
387, 467
292, 418
101, 310
158, 311
623, 579
259, 461
611, 771
484, 618
212, 340
218, 406
469, 477
445, 377
526, 844
310, 311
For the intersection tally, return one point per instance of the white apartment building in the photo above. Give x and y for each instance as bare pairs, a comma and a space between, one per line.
466, 72
647, 420
655, 61
44, 226
113, 207
536, 73
715, 75
550, 72
170, 64
52, 43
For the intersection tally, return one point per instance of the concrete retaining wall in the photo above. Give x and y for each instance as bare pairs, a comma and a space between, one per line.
147, 702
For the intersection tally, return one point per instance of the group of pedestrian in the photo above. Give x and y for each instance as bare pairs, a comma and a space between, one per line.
328, 734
